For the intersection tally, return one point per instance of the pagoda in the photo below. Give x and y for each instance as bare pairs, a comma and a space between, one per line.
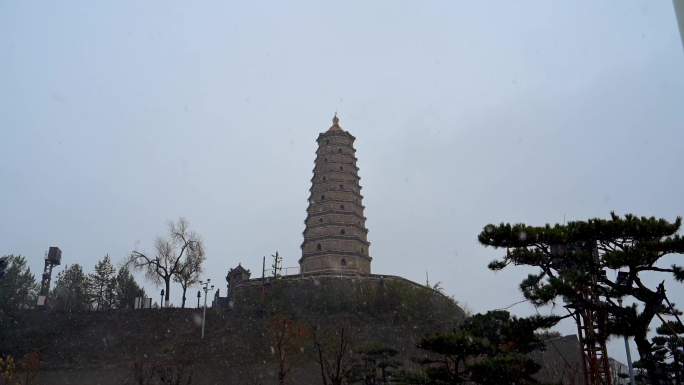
335, 236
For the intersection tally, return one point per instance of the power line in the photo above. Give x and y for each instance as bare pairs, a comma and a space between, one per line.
567, 364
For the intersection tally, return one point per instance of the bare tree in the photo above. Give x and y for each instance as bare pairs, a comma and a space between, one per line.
170, 255
189, 273
287, 340
335, 355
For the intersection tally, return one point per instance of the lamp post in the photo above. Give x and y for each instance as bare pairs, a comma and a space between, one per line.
629, 354
206, 289
623, 281
161, 301
199, 294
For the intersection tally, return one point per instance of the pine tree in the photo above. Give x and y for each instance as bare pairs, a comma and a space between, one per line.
377, 365
575, 258
127, 289
487, 349
71, 290
102, 284
669, 351
18, 287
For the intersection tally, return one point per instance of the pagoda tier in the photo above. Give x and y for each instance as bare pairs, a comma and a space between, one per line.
335, 237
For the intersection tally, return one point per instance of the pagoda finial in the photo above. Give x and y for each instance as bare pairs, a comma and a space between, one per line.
336, 123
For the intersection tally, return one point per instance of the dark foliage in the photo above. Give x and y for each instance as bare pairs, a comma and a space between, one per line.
18, 287
71, 290
102, 284
668, 352
126, 289
377, 364
489, 348
574, 259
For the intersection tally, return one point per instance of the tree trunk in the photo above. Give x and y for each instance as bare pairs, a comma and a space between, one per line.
167, 282
320, 360
647, 359
185, 288
282, 369
651, 306
678, 379
99, 299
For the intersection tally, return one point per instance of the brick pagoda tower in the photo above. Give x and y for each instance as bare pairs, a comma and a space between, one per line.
335, 237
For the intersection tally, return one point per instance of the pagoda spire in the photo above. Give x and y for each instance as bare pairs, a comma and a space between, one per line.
335, 237
335, 123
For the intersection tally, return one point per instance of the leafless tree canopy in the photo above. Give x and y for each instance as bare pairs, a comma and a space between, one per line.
180, 255
190, 270
334, 354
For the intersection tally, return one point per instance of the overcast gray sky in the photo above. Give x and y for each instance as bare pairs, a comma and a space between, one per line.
116, 117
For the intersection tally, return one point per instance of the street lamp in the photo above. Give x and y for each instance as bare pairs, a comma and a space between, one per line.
206, 289
623, 281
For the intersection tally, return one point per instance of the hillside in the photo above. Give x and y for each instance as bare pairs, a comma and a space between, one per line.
105, 347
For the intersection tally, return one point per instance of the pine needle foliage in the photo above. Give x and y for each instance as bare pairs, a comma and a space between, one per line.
582, 256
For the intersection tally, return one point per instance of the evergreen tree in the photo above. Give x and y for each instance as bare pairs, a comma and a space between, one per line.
71, 290
575, 258
127, 289
668, 352
18, 287
487, 349
377, 365
101, 284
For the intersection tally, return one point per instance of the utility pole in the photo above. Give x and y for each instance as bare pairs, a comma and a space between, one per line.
206, 289
277, 265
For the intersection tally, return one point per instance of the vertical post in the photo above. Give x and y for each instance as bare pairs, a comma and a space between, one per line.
47, 274
629, 354
580, 335
52, 258
161, 301
263, 268
199, 294
629, 362
204, 313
